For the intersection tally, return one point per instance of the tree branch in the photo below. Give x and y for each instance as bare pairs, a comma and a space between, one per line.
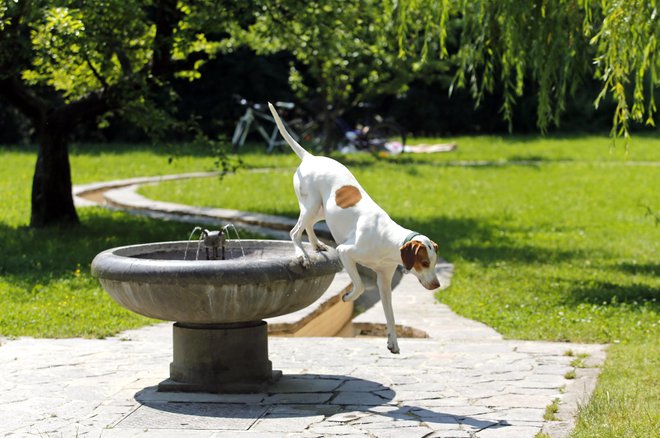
18, 95
86, 108
95, 72
124, 61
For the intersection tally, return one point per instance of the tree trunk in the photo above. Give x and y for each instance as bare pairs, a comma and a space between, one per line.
52, 198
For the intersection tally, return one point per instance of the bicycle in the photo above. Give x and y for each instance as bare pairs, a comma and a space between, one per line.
254, 114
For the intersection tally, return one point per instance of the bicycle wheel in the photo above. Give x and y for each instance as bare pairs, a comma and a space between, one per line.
386, 136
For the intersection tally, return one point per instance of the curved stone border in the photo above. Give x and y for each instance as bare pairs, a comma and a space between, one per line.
123, 194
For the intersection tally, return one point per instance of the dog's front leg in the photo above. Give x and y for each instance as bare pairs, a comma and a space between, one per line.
345, 255
384, 280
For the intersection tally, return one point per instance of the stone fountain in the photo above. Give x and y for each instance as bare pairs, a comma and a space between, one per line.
220, 338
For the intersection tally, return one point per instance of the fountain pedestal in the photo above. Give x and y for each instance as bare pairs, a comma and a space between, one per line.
220, 338
226, 358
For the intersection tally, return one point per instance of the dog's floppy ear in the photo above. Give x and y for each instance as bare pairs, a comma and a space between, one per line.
435, 247
408, 253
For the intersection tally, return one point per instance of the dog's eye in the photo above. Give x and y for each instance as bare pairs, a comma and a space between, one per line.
426, 264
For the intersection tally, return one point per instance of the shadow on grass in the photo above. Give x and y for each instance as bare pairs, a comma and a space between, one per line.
612, 294
366, 161
173, 150
31, 256
652, 269
483, 242
96, 149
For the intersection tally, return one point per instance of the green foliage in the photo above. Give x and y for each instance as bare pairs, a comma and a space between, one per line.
344, 50
551, 411
125, 53
548, 47
77, 50
627, 52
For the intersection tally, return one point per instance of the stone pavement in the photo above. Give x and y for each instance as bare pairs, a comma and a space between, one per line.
461, 380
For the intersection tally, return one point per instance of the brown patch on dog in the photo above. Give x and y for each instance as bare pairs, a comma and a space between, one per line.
415, 255
347, 196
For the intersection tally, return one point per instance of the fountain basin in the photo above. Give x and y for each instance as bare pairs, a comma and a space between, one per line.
154, 280
220, 343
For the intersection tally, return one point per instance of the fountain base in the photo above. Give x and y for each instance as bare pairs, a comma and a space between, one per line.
220, 358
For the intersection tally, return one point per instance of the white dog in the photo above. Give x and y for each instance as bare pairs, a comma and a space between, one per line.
364, 233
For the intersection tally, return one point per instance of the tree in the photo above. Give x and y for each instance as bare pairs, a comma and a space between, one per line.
342, 50
551, 44
63, 62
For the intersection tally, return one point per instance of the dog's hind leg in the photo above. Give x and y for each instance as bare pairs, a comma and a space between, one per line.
314, 240
311, 235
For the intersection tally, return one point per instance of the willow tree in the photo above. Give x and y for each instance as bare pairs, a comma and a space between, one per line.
65, 62
549, 44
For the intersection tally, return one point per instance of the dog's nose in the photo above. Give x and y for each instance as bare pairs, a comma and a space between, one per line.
435, 284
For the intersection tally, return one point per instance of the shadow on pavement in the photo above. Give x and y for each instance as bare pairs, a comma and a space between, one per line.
305, 398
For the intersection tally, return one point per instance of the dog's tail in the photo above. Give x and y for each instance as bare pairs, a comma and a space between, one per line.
299, 150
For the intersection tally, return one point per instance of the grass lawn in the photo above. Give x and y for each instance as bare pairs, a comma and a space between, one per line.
46, 289
551, 239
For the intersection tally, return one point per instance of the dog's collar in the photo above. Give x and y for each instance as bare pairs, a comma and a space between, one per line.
410, 237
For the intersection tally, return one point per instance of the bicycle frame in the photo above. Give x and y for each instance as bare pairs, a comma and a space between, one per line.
252, 116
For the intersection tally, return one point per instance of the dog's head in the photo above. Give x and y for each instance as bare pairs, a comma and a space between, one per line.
419, 257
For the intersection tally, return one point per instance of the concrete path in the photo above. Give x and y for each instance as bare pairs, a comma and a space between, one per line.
463, 380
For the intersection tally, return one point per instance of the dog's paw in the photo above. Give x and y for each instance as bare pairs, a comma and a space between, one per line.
320, 247
392, 344
305, 262
394, 349
357, 289
350, 296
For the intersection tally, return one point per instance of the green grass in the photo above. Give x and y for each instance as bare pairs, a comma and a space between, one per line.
551, 411
626, 400
552, 238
